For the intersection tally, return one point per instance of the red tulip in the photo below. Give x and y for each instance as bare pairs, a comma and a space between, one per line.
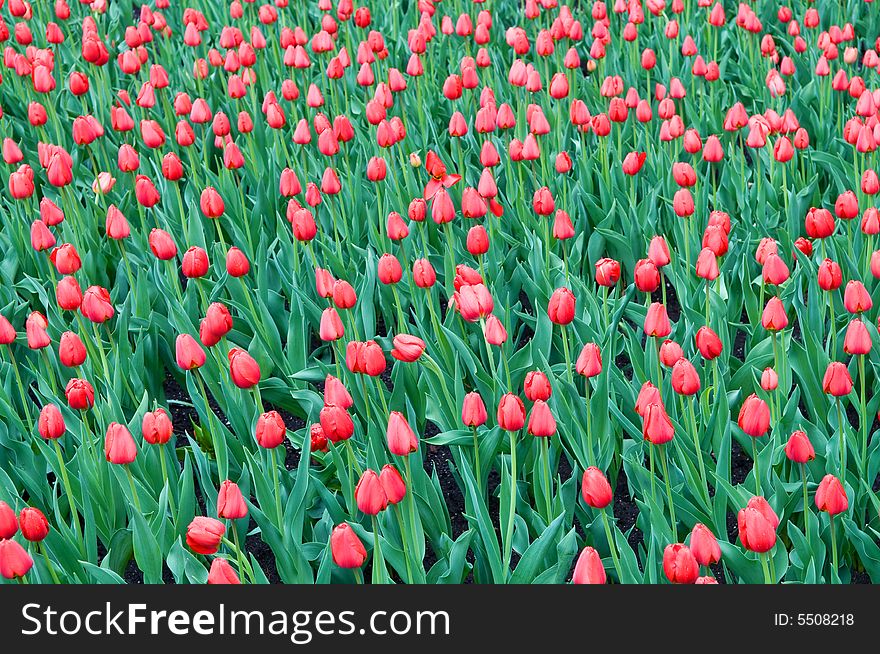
203, 535
8, 521
837, 381
657, 426
243, 369
754, 416
336, 393
473, 410
34, 526
537, 386
589, 362
119, 446
392, 483
15, 562
190, 354
369, 494
595, 488
80, 394
346, 548
156, 427
400, 436
830, 496
589, 568
270, 430
222, 573
856, 298
680, 565
685, 379
336, 423
407, 348
757, 526
561, 307
657, 321
799, 449
607, 272
511, 412
857, 340
541, 421
230, 502
704, 545
51, 423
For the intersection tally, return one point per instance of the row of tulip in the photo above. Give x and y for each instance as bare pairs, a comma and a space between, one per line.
605, 247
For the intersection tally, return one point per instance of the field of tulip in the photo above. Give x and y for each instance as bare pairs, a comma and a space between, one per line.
423, 291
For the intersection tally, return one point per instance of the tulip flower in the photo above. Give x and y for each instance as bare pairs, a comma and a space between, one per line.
679, 564
589, 568
346, 548
704, 546
33, 524
203, 535
8, 521
831, 498
757, 524
222, 573
15, 562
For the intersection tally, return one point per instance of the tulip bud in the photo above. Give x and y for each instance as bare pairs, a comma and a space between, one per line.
8, 521
704, 546
757, 525
511, 412
270, 430
680, 565
589, 568
189, 353
34, 526
80, 394
336, 423
15, 562
346, 547
156, 427
392, 483
837, 380
400, 436
230, 502
830, 496
243, 369
50, 423
685, 379
369, 494
203, 535
222, 573
537, 386
119, 446
799, 449
407, 348
561, 307
595, 488
657, 426
589, 362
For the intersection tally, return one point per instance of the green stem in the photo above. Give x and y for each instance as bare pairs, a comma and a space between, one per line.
477, 467
545, 447
277, 486
165, 479
611, 546
699, 449
806, 505
508, 534
673, 521
835, 578
756, 469
49, 565
591, 455
68, 489
134, 495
